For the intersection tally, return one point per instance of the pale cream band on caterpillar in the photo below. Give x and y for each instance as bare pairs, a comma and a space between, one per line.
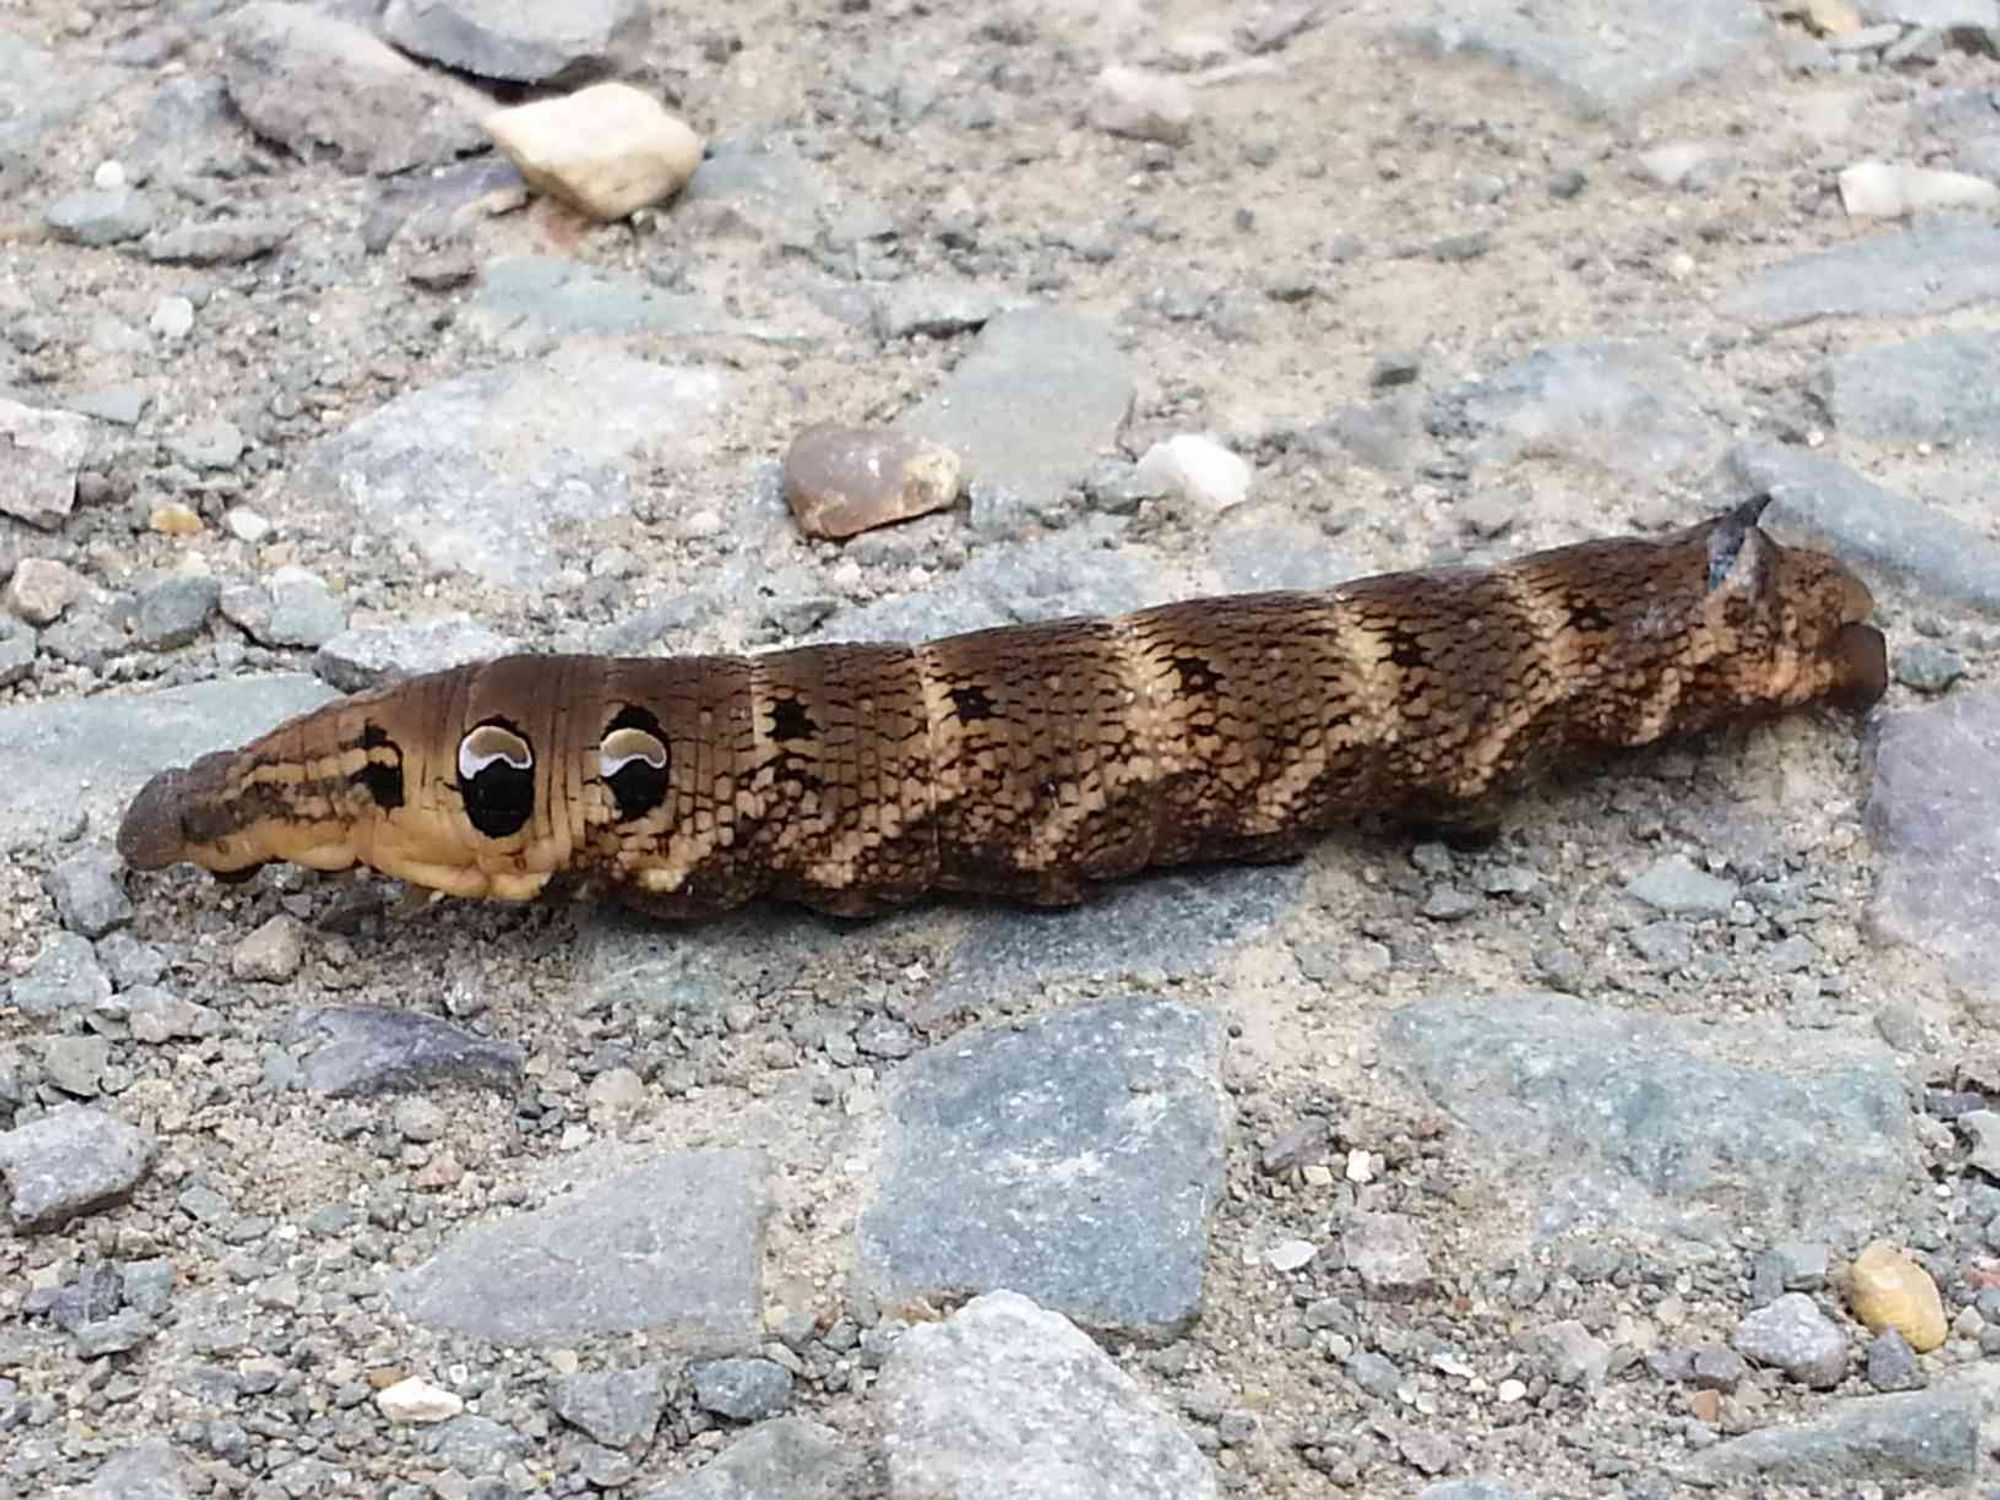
1032, 761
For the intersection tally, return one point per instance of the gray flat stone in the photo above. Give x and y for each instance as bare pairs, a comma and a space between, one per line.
1074, 1158
671, 1248
1646, 1123
1606, 55
616, 1407
321, 87
1934, 808
64, 979
1259, 559
1005, 1400
69, 1161
120, 405
474, 471
42, 93
1925, 1436
787, 1458
146, 1471
89, 891
44, 451
1929, 268
1793, 1335
364, 656
936, 307
60, 756
1039, 395
218, 242
763, 187
173, 610
522, 41
100, 218
1867, 523
1940, 389
524, 302
1161, 923
358, 1050
1677, 887
1629, 409
743, 1390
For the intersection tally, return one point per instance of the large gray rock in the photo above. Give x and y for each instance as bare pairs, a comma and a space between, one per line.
360, 1050
672, 1248
69, 1161
787, 1458
1928, 269
521, 41
1039, 395
1940, 389
44, 449
616, 1407
60, 756
1934, 808
1866, 523
148, 1470
65, 978
1925, 1436
364, 656
38, 93
524, 302
1004, 1400
476, 470
1073, 1158
320, 86
1650, 1124
1627, 409
1604, 54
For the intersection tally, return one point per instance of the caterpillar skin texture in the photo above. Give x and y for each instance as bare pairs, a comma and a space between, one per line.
1031, 761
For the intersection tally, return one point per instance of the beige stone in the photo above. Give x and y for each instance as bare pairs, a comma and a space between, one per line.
42, 588
1887, 1289
604, 150
1145, 106
1889, 190
843, 480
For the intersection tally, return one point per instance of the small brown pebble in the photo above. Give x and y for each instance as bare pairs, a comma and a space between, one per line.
42, 588
843, 480
1887, 1289
1706, 1406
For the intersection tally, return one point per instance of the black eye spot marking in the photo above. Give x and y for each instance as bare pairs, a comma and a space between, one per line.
1196, 674
790, 721
382, 776
971, 704
496, 777
1587, 616
1405, 650
632, 761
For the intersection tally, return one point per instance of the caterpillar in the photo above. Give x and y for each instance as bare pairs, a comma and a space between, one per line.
1033, 762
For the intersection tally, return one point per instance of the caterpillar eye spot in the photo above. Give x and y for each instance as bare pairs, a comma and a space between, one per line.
632, 762
496, 777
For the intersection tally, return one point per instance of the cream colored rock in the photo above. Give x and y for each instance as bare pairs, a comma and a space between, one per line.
1890, 190
1198, 469
604, 150
1887, 1289
417, 1400
1145, 106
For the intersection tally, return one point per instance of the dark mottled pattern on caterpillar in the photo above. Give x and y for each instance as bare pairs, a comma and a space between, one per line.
1034, 761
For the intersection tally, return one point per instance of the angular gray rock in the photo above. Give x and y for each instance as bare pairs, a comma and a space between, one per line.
524, 302
1005, 1400
1866, 523
521, 41
1545, 1078
474, 471
787, 1458
616, 1407
100, 218
62, 756
173, 609
44, 451
1925, 1436
1676, 886
1473, 1489
1073, 1158
319, 86
90, 898
1930, 268
69, 1161
218, 242
757, 187
672, 1248
1606, 55
1038, 397
150, 1470
1934, 808
64, 979
364, 656
362, 1050
1941, 389
41, 93
1793, 1335
743, 1390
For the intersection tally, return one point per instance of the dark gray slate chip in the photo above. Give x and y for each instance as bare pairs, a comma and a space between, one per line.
1934, 808
1869, 524
1074, 1158
65, 978
1940, 389
1541, 1077
616, 1407
523, 300
1928, 1436
69, 1161
672, 1248
744, 1390
1930, 268
89, 893
60, 754
365, 1049
521, 41
787, 1458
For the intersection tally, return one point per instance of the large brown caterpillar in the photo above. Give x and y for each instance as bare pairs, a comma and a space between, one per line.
1031, 761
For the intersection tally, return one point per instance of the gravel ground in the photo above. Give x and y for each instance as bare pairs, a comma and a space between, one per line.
1654, 1146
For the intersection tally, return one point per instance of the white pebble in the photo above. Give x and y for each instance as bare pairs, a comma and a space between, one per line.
1359, 1168
1197, 468
1291, 1255
1510, 1391
173, 318
1889, 190
417, 1400
247, 525
1146, 106
108, 177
